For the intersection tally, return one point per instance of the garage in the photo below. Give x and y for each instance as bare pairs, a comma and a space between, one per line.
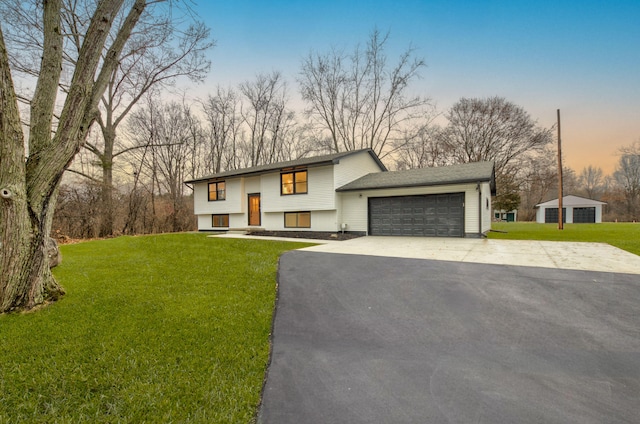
577, 210
584, 215
551, 215
433, 215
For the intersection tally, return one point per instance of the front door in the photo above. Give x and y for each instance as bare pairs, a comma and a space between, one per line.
254, 210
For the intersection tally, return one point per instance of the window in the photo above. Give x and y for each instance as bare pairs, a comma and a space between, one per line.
219, 220
294, 182
297, 219
217, 191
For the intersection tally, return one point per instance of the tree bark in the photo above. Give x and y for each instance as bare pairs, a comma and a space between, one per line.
28, 189
25, 278
106, 162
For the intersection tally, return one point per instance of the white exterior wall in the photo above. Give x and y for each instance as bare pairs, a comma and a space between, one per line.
320, 221
232, 204
251, 185
568, 210
352, 167
320, 200
320, 197
540, 215
320, 192
204, 222
486, 207
355, 207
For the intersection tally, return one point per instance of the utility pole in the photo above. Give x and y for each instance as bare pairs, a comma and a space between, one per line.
560, 193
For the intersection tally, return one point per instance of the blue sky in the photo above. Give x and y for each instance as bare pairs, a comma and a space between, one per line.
582, 57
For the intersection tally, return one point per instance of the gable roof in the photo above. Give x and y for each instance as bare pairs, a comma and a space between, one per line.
310, 161
572, 201
441, 175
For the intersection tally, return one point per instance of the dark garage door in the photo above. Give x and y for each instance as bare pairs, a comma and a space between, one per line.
434, 215
551, 215
584, 215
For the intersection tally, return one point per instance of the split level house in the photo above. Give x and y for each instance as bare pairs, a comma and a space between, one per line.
349, 191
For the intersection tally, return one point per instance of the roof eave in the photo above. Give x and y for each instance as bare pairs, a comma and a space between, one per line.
385, 187
260, 172
333, 161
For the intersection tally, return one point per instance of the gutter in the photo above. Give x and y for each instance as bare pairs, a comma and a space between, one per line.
479, 188
400, 185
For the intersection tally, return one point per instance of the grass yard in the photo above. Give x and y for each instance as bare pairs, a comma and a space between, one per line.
167, 328
624, 235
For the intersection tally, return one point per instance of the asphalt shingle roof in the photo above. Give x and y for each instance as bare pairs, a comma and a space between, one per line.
315, 160
442, 175
571, 200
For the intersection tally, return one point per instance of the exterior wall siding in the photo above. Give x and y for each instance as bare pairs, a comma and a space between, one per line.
355, 205
352, 167
568, 210
486, 207
320, 192
320, 221
232, 204
236, 220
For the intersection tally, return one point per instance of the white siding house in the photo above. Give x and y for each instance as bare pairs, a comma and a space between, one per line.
314, 208
351, 191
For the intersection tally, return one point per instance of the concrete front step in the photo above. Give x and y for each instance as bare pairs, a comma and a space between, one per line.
244, 231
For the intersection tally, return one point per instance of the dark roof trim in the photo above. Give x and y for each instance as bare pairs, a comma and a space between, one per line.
478, 172
435, 184
331, 159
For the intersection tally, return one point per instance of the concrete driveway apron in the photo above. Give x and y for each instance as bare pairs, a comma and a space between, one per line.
374, 339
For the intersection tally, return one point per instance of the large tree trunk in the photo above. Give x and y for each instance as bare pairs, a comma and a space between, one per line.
108, 128
28, 188
107, 212
25, 278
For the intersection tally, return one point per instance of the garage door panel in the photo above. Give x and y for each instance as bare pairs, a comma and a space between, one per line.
551, 215
584, 215
437, 215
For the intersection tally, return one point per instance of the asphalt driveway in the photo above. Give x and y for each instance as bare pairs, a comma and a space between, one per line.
371, 339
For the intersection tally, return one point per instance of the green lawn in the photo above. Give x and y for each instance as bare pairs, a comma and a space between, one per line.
167, 328
623, 235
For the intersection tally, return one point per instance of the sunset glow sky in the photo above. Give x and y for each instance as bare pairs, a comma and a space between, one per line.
582, 57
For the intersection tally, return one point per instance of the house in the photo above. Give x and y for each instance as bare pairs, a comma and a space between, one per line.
574, 210
503, 215
349, 191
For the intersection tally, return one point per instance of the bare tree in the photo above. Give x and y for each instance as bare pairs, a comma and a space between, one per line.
169, 155
158, 53
421, 150
359, 100
492, 129
266, 118
591, 180
539, 182
627, 176
77, 210
497, 130
30, 177
223, 128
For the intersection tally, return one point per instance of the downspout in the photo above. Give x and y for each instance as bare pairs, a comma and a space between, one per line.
479, 188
